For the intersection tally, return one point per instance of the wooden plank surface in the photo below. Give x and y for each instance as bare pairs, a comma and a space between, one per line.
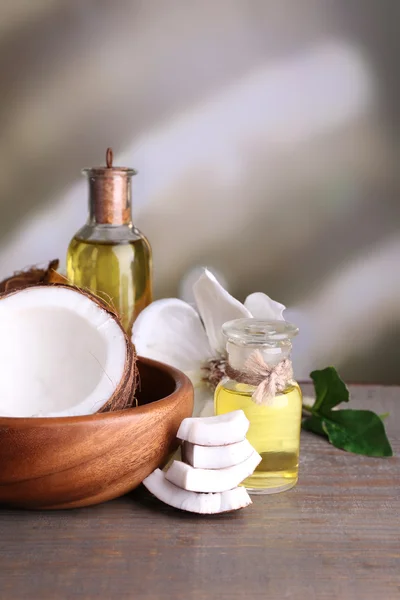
335, 536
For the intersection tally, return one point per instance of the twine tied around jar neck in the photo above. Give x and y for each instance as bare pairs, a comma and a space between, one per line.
270, 380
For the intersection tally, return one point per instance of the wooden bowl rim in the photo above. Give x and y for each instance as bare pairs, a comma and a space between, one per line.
182, 383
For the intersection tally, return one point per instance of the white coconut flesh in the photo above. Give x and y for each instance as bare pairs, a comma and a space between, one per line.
213, 489
61, 354
216, 457
211, 480
172, 495
219, 430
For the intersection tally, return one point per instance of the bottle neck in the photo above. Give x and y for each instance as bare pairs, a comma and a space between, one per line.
109, 199
238, 354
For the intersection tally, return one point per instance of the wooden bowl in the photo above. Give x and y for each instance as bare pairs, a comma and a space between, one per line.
78, 461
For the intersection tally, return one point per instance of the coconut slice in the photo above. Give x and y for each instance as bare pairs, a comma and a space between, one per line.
168, 493
63, 353
216, 457
214, 431
211, 480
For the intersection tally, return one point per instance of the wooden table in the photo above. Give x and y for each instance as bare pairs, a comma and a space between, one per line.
335, 536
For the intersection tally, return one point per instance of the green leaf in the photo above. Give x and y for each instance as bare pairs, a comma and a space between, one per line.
384, 416
358, 431
314, 424
330, 390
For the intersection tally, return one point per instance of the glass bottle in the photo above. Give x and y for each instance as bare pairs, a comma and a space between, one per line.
109, 255
274, 427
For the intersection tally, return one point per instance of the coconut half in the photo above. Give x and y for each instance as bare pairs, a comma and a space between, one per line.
62, 353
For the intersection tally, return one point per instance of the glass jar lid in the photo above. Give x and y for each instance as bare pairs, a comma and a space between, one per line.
259, 332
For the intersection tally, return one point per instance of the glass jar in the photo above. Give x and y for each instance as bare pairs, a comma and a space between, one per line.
274, 421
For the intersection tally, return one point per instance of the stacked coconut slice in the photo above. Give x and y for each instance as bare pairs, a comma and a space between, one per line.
217, 458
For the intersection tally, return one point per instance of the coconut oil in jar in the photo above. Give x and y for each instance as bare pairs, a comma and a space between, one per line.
109, 256
275, 424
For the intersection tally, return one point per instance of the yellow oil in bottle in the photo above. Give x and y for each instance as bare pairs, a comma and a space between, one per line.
274, 432
120, 273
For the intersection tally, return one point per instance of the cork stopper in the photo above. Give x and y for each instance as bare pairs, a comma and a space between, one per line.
110, 192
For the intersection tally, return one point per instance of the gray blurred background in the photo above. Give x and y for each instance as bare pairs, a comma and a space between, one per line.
266, 136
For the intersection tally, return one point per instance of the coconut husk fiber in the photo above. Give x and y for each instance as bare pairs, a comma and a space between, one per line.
32, 276
124, 395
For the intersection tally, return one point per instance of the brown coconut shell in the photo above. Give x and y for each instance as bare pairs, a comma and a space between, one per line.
33, 276
124, 395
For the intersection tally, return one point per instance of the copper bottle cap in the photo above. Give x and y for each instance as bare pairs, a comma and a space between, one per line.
110, 192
